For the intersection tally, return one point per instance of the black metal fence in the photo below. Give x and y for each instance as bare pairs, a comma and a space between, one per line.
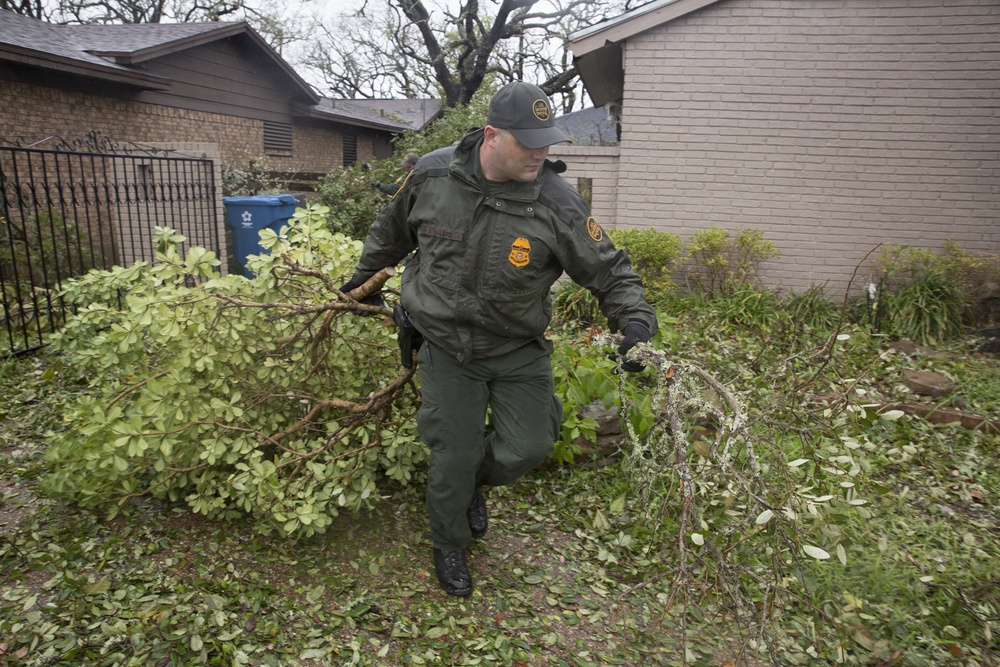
68, 205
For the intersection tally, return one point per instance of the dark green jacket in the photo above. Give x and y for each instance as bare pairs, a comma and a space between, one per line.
480, 282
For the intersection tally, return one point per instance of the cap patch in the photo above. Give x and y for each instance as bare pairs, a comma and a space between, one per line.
520, 251
541, 110
594, 229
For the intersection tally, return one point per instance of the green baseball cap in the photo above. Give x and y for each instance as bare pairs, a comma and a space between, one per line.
526, 112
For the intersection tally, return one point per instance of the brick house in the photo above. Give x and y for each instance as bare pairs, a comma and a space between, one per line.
216, 83
831, 126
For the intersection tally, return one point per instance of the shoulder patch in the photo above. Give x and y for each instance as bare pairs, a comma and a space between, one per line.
594, 229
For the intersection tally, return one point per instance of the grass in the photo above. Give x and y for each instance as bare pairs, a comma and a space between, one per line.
573, 571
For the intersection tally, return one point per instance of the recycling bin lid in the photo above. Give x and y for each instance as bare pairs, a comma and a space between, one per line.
261, 200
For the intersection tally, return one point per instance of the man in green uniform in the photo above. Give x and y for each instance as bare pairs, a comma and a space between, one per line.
494, 226
392, 188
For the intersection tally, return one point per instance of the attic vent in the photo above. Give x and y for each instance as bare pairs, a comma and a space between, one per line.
277, 136
350, 147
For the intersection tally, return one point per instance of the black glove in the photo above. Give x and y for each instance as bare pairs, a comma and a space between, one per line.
635, 332
372, 300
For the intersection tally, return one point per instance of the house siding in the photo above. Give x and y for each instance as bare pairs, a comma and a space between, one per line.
226, 77
831, 126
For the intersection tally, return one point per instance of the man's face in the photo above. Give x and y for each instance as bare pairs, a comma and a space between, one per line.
504, 158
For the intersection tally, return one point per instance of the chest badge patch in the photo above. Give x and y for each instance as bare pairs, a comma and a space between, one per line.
594, 229
520, 252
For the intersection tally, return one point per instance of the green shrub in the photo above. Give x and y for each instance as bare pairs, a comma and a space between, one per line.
655, 255
810, 314
583, 374
248, 176
45, 249
749, 308
812, 308
978, 276
449, 127
37, 255
929, 309
352, 203
725, 263
929, 296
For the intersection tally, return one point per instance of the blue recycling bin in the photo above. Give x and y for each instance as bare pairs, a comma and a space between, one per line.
246, 216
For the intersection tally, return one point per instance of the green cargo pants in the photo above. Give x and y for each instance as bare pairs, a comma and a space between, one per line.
525, 415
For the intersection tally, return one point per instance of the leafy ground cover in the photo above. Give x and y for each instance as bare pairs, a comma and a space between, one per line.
574, 571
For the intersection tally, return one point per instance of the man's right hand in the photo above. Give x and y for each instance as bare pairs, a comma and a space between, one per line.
371, 300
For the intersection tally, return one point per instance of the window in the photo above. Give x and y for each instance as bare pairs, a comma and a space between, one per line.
382, 147
277, 136
585, 186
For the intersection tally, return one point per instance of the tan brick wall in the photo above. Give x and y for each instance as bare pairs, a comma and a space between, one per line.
317, 150
34, 110
600, 165
832, 126
41, 110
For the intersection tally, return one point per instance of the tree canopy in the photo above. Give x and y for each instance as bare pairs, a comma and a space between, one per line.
410, 48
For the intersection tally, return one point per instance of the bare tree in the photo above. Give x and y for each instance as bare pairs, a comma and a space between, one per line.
35, 9
412, 49
143, 11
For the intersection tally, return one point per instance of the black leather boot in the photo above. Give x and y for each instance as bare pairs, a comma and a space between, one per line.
479, 521
452, 572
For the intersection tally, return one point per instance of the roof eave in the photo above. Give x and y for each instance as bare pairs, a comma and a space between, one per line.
48, 61
603, 73
632, 23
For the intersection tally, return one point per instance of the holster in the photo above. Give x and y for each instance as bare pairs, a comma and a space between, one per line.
409, 338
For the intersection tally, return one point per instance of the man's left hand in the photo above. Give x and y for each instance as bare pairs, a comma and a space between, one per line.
635, 332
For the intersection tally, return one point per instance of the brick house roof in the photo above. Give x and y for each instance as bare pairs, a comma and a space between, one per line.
116, 53
405, 114
589, 127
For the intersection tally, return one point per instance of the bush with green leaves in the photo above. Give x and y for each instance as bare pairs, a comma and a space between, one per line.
449, 126
249, 175
655, 256
723, 262
351, 202
264, 397
931, 297
930, 309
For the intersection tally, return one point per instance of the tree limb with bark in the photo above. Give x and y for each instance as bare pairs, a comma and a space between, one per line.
415, 49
